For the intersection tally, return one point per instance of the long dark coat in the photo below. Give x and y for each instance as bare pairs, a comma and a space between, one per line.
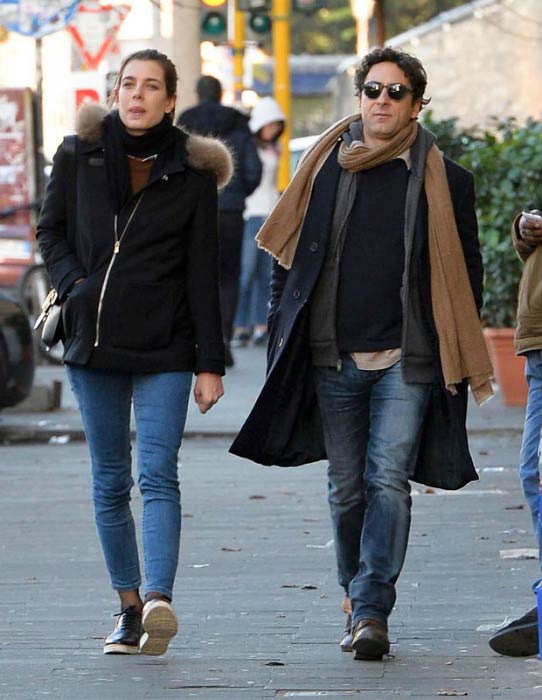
284, 427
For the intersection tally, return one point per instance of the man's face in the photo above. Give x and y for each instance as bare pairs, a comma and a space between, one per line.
382, 117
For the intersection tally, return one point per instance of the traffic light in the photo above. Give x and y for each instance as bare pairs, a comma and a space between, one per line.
214, 20
259, 20
307, 6
259, 23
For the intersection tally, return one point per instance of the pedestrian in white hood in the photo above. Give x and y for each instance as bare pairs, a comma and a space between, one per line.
267, 123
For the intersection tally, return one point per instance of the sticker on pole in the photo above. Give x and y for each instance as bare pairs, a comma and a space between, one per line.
94, 29
36, 18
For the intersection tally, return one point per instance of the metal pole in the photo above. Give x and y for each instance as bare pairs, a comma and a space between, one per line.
281, 53
380, 22
362, 11
238, 51
186, 51
38, 122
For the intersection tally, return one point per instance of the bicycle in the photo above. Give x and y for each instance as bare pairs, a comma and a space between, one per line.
32, 288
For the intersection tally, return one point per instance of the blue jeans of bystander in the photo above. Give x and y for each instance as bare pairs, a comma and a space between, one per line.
255, 278
531, 444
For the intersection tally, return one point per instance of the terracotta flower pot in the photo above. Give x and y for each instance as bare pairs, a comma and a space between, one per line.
509, 367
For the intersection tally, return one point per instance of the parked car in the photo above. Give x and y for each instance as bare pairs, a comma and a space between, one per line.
18, 245
16, 353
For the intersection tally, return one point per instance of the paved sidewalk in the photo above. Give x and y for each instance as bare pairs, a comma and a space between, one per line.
256, 591
241, 385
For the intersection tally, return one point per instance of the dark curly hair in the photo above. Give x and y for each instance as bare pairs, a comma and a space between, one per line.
170, 73
409, 64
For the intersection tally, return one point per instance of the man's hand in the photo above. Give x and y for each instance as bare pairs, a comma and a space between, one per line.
530, 228
208, 390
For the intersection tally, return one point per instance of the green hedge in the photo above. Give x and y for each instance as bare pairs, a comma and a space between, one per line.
506, 161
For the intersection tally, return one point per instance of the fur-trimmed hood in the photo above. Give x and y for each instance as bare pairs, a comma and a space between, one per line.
204, 153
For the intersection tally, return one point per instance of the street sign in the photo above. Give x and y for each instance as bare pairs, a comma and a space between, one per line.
36, 18
85, 86
94, 30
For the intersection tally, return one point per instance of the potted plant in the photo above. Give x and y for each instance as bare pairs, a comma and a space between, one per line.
507, 164
506, 161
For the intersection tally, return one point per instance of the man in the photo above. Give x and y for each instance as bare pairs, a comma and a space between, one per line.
210, 118
519, 637
373, 327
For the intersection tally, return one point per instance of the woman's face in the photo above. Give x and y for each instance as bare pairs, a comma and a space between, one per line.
142, 98
269, 132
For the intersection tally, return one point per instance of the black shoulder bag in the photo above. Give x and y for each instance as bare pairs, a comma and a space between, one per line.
51, 310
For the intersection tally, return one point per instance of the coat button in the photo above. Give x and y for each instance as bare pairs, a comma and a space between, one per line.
281, 342
296, 294
313, 247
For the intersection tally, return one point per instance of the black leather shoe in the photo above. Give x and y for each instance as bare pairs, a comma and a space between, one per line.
517, 638
346, 641
125, 637
370, 640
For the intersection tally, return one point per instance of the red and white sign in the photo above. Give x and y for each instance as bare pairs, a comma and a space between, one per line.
94, 30
17, 173
17, 182
86, 86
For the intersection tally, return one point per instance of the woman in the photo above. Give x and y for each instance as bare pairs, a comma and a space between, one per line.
134, 259
267, 122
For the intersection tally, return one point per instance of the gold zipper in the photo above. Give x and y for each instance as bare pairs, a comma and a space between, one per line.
116, 249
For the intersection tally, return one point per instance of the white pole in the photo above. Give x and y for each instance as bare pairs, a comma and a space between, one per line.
362, 10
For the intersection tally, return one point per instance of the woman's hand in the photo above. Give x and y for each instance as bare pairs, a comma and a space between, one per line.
208, 390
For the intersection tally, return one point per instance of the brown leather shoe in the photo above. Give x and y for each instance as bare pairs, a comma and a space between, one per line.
370, 640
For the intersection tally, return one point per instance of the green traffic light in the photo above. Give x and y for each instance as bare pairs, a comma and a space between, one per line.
260, 23
213, 23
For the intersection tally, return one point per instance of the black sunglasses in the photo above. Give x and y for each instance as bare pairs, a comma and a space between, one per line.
396, 91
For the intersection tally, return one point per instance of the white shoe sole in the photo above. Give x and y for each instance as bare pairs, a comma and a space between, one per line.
159, 626
120, 649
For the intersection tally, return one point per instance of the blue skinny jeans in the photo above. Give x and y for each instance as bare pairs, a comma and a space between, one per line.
160, 403
532, 444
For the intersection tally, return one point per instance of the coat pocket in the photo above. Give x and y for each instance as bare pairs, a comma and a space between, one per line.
138, 316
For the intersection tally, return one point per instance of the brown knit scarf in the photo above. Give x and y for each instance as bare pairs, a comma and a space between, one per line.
463, 353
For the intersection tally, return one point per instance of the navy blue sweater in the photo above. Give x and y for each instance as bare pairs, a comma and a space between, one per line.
369, 309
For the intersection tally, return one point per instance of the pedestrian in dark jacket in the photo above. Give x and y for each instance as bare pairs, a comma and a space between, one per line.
128, 233
519, 636
374, 331
210, 117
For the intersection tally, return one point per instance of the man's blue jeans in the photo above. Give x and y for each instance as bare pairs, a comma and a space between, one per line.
372, 422
160, 404
531, 444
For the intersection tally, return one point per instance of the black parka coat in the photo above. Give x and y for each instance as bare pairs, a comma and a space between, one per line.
152, 306
284, 428
230, 126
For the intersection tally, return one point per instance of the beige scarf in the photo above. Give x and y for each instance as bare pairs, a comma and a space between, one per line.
463, 353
